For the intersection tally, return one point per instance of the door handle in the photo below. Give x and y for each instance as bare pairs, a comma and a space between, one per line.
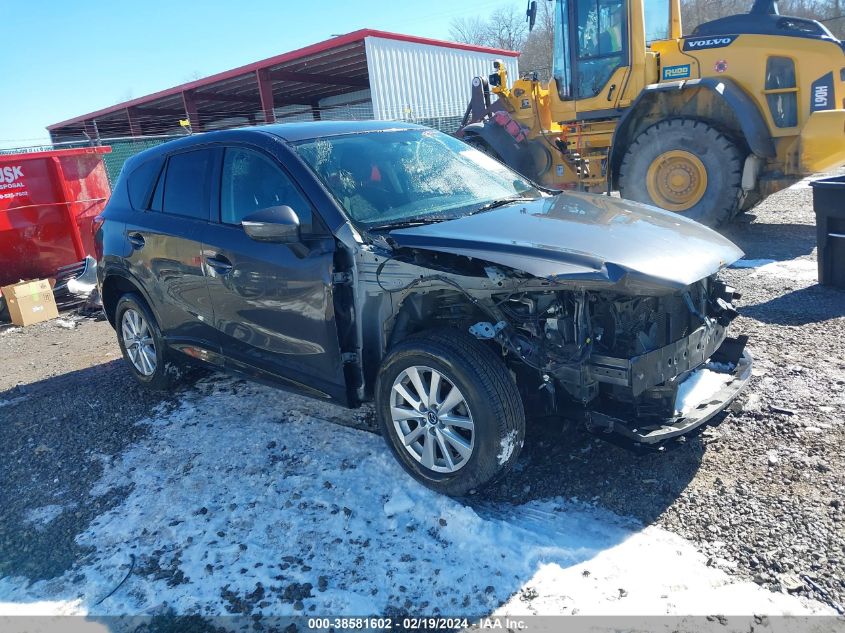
219, 264
611, 91
136, 240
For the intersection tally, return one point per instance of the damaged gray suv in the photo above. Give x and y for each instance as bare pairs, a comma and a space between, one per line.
391, 263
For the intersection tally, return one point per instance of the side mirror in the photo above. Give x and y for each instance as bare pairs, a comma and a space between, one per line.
273, 224
531, 14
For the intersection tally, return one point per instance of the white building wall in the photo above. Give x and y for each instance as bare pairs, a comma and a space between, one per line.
356, 106
421, 82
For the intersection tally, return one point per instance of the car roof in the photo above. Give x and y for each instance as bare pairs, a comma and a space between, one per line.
294, 132
288, 132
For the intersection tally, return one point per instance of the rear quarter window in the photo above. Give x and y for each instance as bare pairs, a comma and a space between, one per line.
186, 184
141, 181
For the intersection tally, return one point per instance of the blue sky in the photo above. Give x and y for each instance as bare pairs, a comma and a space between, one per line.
62, 59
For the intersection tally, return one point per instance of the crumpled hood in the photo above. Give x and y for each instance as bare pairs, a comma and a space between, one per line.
583, 237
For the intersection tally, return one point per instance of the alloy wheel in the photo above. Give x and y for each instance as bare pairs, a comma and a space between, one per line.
432, 419
138, 341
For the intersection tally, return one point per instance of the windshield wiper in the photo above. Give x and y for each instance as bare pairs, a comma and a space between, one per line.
405, 224
500, 203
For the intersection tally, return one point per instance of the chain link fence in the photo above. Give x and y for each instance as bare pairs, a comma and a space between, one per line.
445, 117
123, 149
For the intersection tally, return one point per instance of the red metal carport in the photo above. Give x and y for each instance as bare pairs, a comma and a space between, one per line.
252, 94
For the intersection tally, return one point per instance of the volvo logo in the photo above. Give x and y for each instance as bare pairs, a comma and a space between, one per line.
700, 43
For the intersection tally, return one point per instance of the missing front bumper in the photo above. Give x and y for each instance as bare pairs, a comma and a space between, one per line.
650, 432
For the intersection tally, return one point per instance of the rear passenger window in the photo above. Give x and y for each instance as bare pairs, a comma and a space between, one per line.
186, 184
141, 181
252, 182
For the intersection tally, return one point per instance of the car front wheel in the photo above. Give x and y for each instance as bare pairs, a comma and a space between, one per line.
450, 411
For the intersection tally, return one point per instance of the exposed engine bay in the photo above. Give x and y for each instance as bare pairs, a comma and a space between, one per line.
613, 358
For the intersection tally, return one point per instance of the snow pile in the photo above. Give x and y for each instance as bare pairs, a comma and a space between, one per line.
794, 269
697, 388
242, 498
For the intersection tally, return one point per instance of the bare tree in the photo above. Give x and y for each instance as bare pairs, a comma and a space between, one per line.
538, 52
470, 30
505, 28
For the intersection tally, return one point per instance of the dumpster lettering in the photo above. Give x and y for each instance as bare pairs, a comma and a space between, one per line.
11, 174
10, 184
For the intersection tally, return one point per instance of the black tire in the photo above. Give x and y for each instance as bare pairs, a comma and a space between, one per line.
490, 394
720, 157
162, 377
475, 141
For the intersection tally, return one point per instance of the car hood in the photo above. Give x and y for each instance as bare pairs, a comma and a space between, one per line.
582, 237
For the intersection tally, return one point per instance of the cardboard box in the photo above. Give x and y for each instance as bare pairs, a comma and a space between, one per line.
30, 302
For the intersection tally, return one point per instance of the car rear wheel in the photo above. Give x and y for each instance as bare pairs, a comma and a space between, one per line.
450, 411
142, 343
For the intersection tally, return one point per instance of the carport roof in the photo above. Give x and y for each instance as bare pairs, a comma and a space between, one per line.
330, 67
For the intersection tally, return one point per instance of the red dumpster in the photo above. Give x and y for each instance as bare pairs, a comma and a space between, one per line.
48, 201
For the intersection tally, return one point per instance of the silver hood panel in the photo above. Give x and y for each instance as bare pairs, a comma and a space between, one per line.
581, 237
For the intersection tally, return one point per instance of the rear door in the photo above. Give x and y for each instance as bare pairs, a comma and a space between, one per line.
166, 251
273, 303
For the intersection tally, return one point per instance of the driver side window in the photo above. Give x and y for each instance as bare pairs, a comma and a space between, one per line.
252, 182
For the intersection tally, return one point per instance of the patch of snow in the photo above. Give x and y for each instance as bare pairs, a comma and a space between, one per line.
67, 324
751, 263
399, 503
698, 387
723, 368
794, 269
44, 515
10, 330
6, 403
46, 608
232, 492
506, 447
804, 183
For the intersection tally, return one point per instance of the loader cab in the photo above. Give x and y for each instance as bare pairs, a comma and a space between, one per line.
592, 44
600, 57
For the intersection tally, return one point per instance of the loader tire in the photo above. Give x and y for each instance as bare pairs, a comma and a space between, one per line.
686, 166
475, 141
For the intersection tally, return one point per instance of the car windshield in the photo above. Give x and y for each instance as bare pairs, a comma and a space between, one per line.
399, 177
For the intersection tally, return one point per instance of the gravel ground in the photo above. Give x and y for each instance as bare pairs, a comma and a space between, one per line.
760, 493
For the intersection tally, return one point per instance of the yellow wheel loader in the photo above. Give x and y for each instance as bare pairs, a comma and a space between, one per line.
706, 124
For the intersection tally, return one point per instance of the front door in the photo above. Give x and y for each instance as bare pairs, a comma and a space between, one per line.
273, 303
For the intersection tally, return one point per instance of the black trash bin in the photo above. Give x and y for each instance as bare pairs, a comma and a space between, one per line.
829, 205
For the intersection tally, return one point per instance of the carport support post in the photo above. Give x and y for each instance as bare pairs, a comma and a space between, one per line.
265, 92
191, 110
92, 131
134, 123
